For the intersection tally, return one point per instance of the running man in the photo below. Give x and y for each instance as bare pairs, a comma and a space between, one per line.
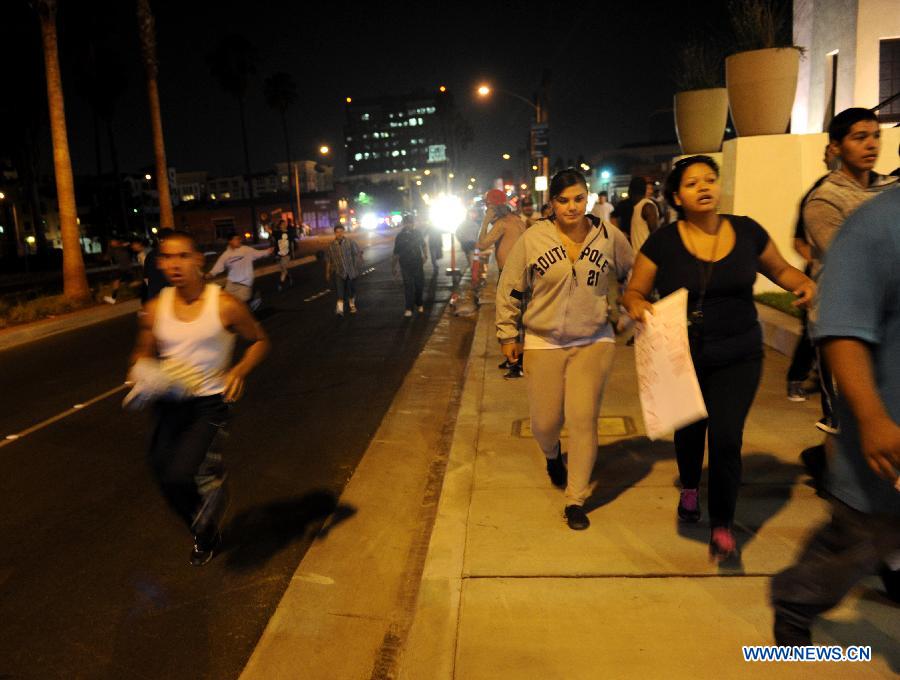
238, 259
182, 361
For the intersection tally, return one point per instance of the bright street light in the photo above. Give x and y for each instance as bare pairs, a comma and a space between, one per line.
484, 91
506, 156
443, 88
427, 172
585, 167
324, 150
604, 174
349, 100
472, 180
447, 213
2, 195
451, 175
147, 177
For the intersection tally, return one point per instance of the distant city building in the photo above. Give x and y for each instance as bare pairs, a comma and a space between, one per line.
853, 59
396, 134
199, 186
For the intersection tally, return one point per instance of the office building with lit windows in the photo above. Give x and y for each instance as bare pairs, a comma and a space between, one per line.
397, 134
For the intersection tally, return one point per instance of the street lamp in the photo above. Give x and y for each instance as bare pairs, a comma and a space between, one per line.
324, 150
540, 117
506, 156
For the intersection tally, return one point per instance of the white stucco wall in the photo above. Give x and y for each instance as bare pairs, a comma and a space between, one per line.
765, 177
823, 26
878, 20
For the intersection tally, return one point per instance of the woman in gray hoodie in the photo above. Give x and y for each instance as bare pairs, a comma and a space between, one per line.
560, 267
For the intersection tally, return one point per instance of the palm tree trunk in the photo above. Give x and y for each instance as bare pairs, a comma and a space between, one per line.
166, 218
75, 284
248, 171
147, 31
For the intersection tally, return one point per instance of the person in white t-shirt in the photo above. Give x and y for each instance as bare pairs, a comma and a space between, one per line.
602, 208
238, 260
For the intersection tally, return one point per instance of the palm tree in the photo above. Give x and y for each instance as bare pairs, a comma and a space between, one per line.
232, 63
75, 284
147, 30
280, 91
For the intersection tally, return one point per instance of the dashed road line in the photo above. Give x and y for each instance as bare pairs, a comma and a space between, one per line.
317, 295
10, 438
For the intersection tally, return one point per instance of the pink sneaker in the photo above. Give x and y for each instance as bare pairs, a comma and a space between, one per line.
722, 544
689, 505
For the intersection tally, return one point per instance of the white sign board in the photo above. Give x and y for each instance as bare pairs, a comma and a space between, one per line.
667, 383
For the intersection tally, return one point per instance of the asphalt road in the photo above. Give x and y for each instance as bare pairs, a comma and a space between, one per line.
94, 574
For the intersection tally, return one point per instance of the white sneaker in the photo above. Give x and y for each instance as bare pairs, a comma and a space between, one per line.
420, 309
108, 299
352, 306
407, 313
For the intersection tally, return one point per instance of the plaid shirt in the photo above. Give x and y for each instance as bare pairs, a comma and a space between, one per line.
345, 258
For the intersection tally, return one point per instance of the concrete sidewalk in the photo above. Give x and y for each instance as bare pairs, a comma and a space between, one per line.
509, 591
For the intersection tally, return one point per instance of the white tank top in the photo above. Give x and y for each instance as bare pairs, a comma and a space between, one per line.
640, 230
198, 352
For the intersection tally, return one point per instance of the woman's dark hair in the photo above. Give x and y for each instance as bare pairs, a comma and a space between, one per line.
637, 187
673, 181
564, 179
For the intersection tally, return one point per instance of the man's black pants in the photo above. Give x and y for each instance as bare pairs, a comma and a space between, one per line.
186, 459
413, 285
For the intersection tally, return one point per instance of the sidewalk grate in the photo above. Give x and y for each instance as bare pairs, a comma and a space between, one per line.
607, 426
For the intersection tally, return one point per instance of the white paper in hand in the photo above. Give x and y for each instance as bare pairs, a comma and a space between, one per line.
667, 383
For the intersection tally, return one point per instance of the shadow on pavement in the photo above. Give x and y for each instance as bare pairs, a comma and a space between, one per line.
758, 502
256, 535
861, 631
622, 465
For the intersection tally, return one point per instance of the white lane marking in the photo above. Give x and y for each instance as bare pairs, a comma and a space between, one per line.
10, 438
317, 295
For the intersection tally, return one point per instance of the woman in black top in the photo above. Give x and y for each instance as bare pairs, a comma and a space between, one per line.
716, 257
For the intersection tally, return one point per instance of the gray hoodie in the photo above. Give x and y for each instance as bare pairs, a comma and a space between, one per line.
566, 302
831, 203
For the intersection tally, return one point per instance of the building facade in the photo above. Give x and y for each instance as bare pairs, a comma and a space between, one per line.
396, 134
852, 59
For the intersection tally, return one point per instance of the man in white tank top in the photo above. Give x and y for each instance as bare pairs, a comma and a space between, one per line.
644, 219
188, 334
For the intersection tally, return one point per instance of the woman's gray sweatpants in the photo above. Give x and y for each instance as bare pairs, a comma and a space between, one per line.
566, 386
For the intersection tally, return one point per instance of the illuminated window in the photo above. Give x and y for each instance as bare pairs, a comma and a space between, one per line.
358, 157
412, 122
430, 109
420, 121
365, 116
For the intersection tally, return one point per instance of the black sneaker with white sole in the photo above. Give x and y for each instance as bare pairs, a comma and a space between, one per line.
204, 549
556, 469
576, 518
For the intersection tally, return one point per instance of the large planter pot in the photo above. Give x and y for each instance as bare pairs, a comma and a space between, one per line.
700, 117
762, 85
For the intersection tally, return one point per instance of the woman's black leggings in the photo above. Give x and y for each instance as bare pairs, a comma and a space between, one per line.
728, 392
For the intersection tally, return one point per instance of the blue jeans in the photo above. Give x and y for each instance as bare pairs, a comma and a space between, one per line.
344, 285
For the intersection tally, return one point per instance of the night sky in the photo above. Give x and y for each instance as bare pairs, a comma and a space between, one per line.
610, 70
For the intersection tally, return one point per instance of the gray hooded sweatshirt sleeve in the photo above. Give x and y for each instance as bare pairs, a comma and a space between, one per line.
566, 302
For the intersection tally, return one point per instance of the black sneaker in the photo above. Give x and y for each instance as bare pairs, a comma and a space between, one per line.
557, 469
515, 371
504, 365
204, 549
576, 518
827, 426
795, 391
